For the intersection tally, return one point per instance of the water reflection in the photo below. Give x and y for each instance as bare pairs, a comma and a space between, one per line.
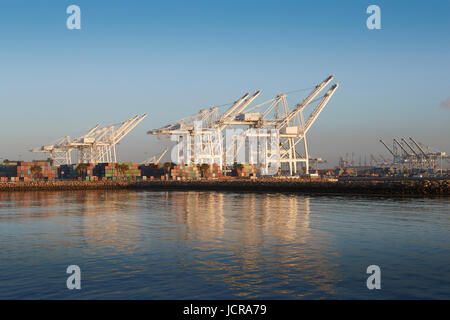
84, 219
251, 245
251, 237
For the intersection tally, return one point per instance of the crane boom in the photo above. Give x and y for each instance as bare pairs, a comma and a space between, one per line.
306, 101
126, 124
234, 106
246, 103
312, 118
162, 155
409, 146
385, 145
92, 130
123, 131
419, 147
402, 147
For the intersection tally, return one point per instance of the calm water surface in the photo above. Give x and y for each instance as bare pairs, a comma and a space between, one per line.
213, 245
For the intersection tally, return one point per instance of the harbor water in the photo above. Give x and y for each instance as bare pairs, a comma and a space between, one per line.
222, 245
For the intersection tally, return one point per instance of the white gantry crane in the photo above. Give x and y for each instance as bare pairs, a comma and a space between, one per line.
58, 151
183, 133
293, 128
290, 125
98, 145
254, 122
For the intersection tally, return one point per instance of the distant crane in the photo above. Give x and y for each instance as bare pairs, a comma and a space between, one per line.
98, 145
418, 157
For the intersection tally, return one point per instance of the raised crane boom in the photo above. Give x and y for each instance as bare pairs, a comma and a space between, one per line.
409, 146
92, 130
402, 147
246, 103
125, 129
236, 109
306, 101
419, 147
320, 107
236, 104
385, 145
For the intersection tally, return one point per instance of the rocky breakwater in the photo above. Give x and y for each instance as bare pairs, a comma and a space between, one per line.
396, 188
306, 186
65, 185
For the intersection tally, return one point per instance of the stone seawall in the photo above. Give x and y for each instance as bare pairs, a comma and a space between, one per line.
394, 188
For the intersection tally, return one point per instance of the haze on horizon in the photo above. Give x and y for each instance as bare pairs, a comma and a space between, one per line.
171, 59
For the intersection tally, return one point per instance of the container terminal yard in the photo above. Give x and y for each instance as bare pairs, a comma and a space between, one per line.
248, 147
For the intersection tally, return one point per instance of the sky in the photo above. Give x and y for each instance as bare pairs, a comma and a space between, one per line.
170, 59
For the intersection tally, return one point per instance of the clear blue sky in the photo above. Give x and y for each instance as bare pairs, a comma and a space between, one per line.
171, 58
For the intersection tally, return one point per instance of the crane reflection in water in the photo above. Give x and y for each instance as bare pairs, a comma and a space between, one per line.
248, 244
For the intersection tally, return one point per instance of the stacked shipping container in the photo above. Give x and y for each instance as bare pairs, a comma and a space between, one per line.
35, 170
120, 170
7, 171
75, 171
152, 170
185, 172
213, 171
113, 171
245, 170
